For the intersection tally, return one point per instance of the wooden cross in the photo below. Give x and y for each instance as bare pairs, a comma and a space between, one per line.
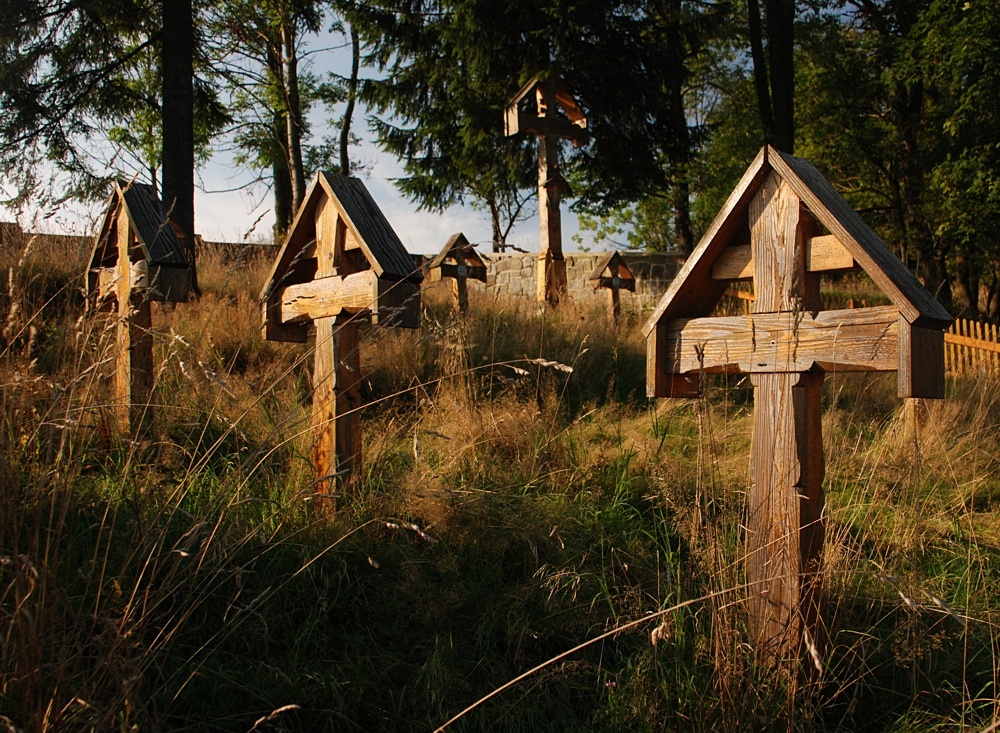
340, 261
770, 231
138, 257
558, 115
613, 274
459, 262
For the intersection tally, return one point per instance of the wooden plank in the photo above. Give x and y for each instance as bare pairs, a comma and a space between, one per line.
834, 341
784, 515
609, 282
779, 262
693, 292
870, 252
134, 359
921, 361
336, 406
659, 382
823, 254
326, 297
471, 273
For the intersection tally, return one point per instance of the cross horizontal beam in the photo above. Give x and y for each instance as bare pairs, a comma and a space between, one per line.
824, 253
328, 296
865, 339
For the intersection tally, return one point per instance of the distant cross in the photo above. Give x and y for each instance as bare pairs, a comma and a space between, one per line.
138, 257
612, 274
458, 262
557, 115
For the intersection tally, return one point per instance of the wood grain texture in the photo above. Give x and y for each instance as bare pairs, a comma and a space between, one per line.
328, 296
336, 407
823, 254
921, 362
134, 359
842, 340
660, 382
784, 528
778, 257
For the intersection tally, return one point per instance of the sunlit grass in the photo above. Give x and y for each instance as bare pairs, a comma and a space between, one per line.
508, 510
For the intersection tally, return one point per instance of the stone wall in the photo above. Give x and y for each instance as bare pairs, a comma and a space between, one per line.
513, 275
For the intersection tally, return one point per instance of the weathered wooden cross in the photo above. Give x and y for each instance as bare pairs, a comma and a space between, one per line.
770, 231
340, 260
557, 115
459, 262
138, 257
613, 274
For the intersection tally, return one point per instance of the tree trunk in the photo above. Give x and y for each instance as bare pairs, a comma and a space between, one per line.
680, 150
781, 67
498, 243
908, 116
177, 66
774, 76
293, 113
760, 70
282, 183
352, 95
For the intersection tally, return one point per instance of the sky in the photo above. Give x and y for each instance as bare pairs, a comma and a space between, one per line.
225, 211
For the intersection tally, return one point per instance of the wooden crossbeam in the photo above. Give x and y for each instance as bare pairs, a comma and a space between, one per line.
835, 341
824, 253
328, 297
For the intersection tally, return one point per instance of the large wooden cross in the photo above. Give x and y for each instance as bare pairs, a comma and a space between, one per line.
771, 231
340, 261
138, 257
557, 116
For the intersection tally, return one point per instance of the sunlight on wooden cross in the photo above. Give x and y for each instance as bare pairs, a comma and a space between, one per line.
138, 258
770, 231
341, 261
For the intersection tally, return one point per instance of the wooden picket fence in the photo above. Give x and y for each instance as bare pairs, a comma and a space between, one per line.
970, 347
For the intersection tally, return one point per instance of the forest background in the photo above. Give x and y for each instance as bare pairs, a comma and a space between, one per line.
895, 102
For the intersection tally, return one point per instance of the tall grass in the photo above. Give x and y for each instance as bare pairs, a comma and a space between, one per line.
519, 498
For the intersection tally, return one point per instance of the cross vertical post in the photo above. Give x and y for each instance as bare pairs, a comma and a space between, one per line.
551, 280
336, 415
786, 460
134, 360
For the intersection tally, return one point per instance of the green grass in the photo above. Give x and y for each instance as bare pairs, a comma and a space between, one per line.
189, 579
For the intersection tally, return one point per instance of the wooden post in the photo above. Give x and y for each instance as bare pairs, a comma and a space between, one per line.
460, 289
336, 415
615, 297
134, 362
786, 462
551, 284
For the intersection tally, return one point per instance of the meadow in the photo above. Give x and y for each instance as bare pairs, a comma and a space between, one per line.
522, 508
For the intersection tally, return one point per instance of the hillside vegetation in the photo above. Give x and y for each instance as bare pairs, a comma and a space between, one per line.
510, 510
